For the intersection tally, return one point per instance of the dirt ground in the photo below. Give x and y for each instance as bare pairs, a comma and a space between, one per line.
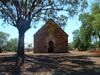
73, 63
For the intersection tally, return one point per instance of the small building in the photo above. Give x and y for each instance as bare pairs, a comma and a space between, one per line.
50, 38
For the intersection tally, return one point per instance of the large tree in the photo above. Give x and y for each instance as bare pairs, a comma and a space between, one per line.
90, 27
96, 21
22, 13
86, 29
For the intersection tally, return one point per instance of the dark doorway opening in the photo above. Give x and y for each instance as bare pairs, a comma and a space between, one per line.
51, 47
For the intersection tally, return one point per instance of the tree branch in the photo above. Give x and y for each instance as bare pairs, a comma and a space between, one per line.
18, 8
26, 9
9, 15
9, 11
34, 4
16, 3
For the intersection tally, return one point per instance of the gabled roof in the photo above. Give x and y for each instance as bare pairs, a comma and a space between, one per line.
49, 22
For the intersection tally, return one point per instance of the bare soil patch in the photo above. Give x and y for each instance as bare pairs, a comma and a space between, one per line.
95, 52
73, 63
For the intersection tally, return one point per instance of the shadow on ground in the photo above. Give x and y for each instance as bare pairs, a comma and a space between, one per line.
50, 65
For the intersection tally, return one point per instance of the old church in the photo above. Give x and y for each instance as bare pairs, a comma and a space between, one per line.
50, 38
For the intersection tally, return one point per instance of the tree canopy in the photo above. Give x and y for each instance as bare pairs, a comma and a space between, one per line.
90, 28
16, 11
96, 21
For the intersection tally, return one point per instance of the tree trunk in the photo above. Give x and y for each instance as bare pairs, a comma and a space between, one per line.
0, 50
22, 26
20, 50
99, 42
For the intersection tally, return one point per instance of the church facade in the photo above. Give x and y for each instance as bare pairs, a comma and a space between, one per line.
50, 38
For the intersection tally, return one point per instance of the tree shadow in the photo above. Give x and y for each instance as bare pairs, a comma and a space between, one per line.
15, 71
84, 71
7, 66
54, 64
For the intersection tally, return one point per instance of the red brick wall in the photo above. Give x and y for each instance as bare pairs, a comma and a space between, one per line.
61, 39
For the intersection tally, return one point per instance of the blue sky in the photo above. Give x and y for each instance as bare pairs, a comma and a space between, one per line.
72, 25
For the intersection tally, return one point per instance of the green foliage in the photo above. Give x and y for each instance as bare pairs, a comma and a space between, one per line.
3, 39
7, 45
85, 29
96, 7
90, 29
79, 41
96, 21
11, 45
76, 39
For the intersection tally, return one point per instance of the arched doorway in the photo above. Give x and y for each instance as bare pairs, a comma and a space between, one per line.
50, 47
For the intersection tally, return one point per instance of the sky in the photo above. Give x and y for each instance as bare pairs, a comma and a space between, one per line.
72, 24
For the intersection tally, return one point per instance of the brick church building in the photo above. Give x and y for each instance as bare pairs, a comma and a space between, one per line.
50, 38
